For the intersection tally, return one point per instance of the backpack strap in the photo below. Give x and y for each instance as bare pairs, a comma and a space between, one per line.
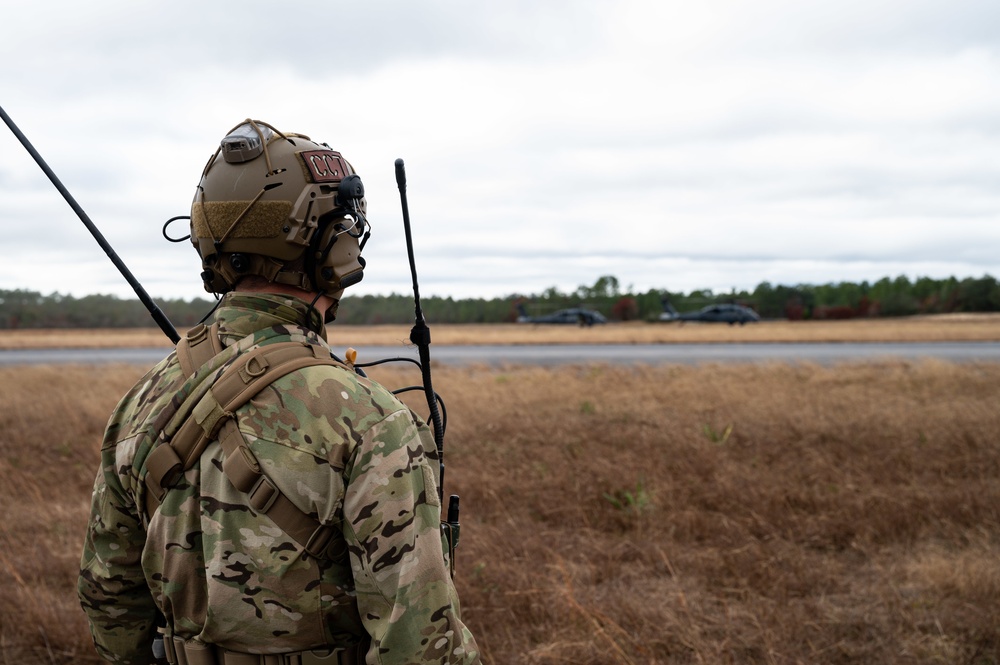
199, 345
212, 417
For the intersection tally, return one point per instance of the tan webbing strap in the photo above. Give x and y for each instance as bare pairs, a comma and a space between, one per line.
212, 417
182, 439
163, 465
199, 345
244, 471
237, 386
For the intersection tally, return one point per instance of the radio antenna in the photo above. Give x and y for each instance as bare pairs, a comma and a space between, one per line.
420, 334
154, 311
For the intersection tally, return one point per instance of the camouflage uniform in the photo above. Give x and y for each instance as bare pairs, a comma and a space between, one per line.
344, 450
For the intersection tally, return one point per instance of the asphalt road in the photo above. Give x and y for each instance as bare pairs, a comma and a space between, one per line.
580, 353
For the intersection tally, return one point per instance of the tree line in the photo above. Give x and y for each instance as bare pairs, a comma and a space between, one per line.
899, 296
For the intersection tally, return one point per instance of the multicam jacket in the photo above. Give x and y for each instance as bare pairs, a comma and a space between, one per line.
344, 450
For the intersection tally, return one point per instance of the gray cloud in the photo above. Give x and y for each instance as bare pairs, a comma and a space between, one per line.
711, 144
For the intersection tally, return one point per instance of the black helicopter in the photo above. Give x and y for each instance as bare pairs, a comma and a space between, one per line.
573, 316
721, 313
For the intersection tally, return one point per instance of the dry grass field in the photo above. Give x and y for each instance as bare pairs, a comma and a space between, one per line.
772, 514
775, 514
947, 327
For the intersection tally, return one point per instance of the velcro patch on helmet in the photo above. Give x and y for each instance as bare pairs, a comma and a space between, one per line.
323, 165
265, 219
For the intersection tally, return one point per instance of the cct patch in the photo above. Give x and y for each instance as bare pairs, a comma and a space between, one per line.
324, 165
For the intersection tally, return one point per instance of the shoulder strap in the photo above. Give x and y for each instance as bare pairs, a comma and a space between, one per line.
161, 467
199, 345
213, 418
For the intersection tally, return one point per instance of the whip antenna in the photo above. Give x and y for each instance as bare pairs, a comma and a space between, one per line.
420, 334
154, 311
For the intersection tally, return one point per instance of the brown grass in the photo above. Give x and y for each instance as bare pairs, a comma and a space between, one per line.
949, 327
772, 514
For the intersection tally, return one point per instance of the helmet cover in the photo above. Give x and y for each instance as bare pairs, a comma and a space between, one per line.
280, 206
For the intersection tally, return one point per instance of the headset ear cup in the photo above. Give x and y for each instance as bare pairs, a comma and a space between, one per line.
350, 188
334, 261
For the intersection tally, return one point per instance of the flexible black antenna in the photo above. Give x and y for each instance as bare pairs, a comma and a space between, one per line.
420, 334
154, 311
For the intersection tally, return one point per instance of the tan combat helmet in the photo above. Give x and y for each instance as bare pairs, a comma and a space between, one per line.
282, 207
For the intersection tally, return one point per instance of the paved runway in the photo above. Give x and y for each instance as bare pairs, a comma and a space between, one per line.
579, 353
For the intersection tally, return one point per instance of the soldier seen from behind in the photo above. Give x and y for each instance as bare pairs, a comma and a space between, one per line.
258, 501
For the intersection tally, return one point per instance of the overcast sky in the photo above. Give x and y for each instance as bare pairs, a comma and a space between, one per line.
677, 145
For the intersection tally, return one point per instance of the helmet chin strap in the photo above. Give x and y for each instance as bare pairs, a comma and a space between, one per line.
312, 308
331, 311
